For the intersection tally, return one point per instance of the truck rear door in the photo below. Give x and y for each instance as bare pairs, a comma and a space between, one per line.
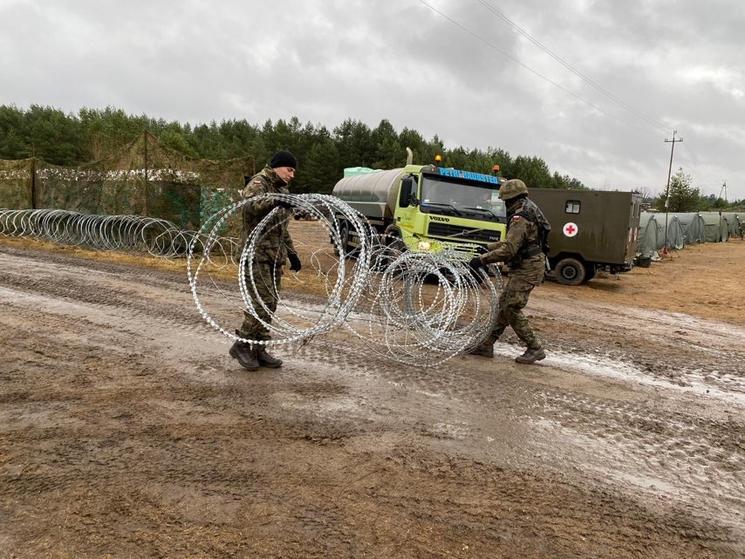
633, 235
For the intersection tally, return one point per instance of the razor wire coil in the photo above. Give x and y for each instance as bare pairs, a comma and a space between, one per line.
154, 236
410, 307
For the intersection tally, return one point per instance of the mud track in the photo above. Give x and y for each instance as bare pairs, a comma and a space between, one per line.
127, 431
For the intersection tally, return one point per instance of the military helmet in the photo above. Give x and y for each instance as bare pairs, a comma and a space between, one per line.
511, 189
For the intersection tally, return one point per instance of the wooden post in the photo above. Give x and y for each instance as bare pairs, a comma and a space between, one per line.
34, 196
145, 188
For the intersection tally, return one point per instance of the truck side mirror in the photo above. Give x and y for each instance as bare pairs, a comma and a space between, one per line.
408, 189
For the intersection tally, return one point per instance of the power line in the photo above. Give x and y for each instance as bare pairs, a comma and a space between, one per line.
508, 55
693, 157
520, 63
499, 13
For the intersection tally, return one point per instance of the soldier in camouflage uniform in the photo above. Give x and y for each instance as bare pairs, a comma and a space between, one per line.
273, 249
522, 249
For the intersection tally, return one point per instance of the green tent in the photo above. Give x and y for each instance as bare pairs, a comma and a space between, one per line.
716, 229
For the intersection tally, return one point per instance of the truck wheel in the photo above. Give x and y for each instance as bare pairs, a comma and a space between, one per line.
343, 237
570, 271
393, 239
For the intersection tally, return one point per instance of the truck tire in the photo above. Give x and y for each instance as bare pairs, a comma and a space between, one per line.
343, 237
570, 271
393, 239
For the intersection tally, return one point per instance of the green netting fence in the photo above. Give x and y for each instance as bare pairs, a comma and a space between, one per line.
143, 178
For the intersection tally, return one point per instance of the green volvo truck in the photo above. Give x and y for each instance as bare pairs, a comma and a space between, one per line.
426, 207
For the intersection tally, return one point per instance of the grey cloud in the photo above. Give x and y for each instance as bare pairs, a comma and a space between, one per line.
326, 60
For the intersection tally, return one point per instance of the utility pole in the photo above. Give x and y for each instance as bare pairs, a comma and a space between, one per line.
667, 189
723, 191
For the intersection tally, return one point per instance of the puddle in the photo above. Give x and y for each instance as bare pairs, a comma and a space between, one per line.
693, 381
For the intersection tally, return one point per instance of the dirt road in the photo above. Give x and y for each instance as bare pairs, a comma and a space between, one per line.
127, 431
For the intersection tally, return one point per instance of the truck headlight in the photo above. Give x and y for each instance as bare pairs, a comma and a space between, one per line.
423, 246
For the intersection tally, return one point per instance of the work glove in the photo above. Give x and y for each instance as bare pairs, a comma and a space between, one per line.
475, 264
283, 204
295, 264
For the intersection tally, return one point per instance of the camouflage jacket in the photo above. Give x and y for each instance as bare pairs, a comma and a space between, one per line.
275, 240
522, 233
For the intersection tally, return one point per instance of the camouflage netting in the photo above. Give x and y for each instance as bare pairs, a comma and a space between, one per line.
145, 178
16, 183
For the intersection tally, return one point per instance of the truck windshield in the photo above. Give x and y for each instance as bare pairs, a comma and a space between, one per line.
461, 198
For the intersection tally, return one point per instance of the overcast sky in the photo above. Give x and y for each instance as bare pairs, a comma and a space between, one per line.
592, 87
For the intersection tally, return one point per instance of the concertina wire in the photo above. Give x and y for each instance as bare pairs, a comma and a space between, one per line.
416, 308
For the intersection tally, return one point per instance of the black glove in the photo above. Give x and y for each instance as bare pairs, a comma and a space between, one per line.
475, 263
283, 204
295, 264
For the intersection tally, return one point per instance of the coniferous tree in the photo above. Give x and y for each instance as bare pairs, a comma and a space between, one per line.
94, 134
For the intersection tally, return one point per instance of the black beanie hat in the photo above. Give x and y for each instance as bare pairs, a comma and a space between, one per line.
283, 159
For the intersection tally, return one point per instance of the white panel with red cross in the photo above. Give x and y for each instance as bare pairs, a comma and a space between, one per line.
570, 229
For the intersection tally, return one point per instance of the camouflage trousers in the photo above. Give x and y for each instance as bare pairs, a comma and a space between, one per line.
267, 280
512, 301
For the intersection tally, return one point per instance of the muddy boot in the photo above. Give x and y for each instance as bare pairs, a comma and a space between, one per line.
531, 355
485, 348
266, 359
245, 354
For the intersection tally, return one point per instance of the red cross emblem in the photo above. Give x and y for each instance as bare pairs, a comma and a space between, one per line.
571, 229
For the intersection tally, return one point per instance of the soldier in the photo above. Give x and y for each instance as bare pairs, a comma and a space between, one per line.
523, 250
274, 247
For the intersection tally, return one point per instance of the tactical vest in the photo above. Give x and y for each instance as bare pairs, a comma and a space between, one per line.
528, 209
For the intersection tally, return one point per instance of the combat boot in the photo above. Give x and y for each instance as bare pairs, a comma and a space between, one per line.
485, 348
266, 359
245, 354
531, 355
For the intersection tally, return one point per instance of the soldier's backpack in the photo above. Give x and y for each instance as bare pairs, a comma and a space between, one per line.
534, 214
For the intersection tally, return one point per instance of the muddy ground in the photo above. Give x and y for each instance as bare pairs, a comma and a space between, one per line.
127, 431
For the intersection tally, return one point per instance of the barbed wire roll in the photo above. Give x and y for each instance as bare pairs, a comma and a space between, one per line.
425, 308
414, 308
154, 236
291, 323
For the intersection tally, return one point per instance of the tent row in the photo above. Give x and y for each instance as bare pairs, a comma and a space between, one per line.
685, 228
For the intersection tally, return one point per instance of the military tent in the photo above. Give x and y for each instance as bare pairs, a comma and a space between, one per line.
652, 235
734, 221
675, 233
649, 233
715, 228
694, 227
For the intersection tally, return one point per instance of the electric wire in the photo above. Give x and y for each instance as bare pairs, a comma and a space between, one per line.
517, 61
584, 77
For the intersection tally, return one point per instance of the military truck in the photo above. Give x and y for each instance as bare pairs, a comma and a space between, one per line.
425, 207
591, 230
